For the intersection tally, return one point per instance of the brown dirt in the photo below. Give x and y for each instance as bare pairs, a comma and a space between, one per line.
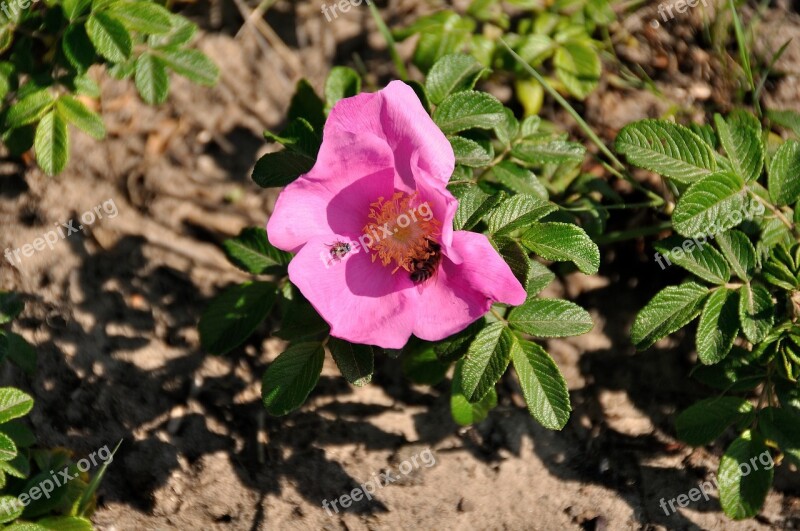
114, 309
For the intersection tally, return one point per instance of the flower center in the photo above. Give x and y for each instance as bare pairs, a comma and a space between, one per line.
401, 231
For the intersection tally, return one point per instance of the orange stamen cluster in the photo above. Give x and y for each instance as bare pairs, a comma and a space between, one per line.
407, 241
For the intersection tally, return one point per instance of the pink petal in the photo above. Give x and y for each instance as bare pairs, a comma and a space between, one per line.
360, 299
461, 293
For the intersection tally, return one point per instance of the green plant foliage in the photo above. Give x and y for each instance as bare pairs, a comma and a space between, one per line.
737, 236
47, 49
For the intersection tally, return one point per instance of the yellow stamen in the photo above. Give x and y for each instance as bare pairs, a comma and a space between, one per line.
408, 231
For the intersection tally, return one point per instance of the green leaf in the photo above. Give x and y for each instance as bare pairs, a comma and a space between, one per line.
786, 118
455, 347
543, 386
464, 412
19, 432
705, 421
342, 82
550, 318
281, 168
10, 509
486, 360
29, 109
302, 322
10, 306
234, 315
781, 426
718, 327
473, 205
562, 242
66, 523
738, 251
144, 17
742, 495
181, 32
251, 251
8, 450
578, 67
440, 34
756, 312
75, 8
299, 137
21, 353
470, 153
306, 104
519, 180
356, 362
194, 65
52, 143
77, 47
291, 377
517, 259
14, 404
81, 117
539, 278
468, 110
537, 152
666, 148
151, 79
696, 257
451, 74
422, 366
741, 139
710, 206
516, 212
783, 181
109, 36
671, 309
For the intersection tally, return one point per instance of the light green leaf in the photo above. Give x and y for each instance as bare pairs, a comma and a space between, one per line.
75, 8
578, 67
517, 212
52, 143
291, 377
666, 148
194, 65
181, 32
742, 495
550, 318
473, 205
29, 109
151, 79
10, 509
537, 152
342, 82
671, 309
543, 386
109, 36
470, 153
486, 360
80, 116
741, 139
234, 315
563, 242
707, 419
251, 251
784, 174
710, 206
452, 73
145, 17
696, 257
14, 404
66, 523
464, 412
756, 312
468, 110
718, 327
738, 251
518, 179
356, 362
8, 450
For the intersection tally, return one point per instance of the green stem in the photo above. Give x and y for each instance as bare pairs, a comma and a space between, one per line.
622, 235
387, 35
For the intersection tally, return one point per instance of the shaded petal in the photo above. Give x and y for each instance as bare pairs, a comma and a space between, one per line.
461, 293
360, 299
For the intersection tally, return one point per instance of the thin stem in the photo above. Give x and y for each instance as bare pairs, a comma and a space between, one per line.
623, 235
648, 204
772, 208
387, 35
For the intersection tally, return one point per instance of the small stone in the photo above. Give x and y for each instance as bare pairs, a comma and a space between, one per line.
465, 506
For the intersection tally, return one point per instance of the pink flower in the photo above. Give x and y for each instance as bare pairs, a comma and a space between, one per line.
372, 226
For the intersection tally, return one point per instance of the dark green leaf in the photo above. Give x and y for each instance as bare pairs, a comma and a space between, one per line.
543, 386
291, 377
756, 312
718, 327
486, 360
784, 169
696, 257
473, 205
517, 212
550, 318
464, 412
356, 362
738, 251
710, 206
251, 252
563, 242
706, 420
281, 168
468, 110
471, 153
234, 315
742, 494
671, 309
342, 82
